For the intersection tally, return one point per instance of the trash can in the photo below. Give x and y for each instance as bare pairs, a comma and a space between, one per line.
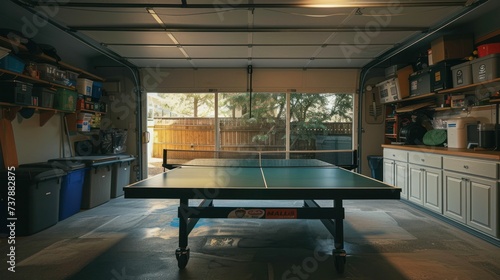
70, 196
376, 166
120, 174
97, 181
36, 197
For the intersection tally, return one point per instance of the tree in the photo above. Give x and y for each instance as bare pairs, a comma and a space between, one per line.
191, 104
308, 113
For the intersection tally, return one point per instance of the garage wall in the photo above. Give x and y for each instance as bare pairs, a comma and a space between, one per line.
235, 80
35, 143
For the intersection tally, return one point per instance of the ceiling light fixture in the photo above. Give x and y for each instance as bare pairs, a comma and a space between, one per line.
156, 17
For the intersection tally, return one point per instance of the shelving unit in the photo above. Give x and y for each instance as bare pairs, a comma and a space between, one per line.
495, 83
22, 50
21, 77
391, 126
10, 110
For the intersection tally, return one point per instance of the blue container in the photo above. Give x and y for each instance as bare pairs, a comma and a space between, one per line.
376, 164
12, 63
96, 90
97, 182
70, 195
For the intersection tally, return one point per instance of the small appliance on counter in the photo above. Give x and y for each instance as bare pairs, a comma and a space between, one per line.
486, 133
457, 132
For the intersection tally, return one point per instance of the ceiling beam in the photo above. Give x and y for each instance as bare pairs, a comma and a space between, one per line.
239, 29
231, 58
220, 5
244, 45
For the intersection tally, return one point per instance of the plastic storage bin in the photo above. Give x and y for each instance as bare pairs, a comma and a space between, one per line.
96, 90
486, 68
421, 82
65, 100
462, 74
70, 196
97, 182
121, 174
36, 197
16, 92
12, 63
84, 86
45, 96
47, 71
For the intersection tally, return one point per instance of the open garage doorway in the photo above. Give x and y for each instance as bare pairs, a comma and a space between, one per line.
247, 122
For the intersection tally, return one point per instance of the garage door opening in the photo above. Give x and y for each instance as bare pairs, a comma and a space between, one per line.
247, 122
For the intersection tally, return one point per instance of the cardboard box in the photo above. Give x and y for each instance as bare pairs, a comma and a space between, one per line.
451, 47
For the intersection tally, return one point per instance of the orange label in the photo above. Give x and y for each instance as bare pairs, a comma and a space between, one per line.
281, 213
437, 76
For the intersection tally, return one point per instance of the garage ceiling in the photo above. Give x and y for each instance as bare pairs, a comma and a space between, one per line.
237, 33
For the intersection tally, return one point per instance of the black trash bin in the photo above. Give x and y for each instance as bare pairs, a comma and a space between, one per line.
70, 196
33, 199
376, 166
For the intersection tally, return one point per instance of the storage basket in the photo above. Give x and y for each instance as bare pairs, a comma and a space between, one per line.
12, 63
47, 72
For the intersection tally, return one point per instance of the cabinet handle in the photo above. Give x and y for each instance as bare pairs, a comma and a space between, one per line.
466, 166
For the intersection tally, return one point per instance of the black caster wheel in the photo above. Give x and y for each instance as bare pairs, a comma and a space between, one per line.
182, 256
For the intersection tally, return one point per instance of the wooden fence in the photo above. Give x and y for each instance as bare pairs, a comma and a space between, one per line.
235, 134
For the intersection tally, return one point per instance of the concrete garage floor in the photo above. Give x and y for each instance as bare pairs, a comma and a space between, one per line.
136, 239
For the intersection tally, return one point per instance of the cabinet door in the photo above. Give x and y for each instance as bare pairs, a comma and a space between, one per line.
388, 172
415, 173
401, 177
433, 188
454, 201
482, 205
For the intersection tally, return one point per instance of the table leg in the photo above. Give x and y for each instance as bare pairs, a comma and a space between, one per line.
182, 253
339, 253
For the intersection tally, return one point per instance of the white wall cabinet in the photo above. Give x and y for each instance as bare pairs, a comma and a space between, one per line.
395, 170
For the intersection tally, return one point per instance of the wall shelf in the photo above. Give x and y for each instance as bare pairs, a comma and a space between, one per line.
413, 107
9, 75
10, 111
23, 51
495, 83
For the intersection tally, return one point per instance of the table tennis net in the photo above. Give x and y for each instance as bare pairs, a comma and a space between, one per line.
342, 158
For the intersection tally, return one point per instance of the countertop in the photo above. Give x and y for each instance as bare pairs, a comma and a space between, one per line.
480, 154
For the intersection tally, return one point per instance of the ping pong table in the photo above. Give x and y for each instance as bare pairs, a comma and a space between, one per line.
261, 179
